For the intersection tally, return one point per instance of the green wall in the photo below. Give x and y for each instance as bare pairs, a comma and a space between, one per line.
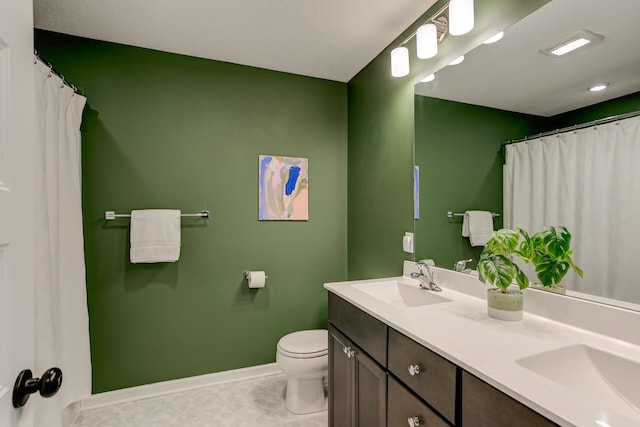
380, 171
621, 105
168, 131
458, 148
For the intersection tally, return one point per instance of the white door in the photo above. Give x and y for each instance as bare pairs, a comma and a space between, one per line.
16, 205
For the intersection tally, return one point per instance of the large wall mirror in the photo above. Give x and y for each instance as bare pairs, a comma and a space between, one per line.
510, 90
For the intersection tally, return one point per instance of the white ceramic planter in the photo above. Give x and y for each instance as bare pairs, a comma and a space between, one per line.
505, 305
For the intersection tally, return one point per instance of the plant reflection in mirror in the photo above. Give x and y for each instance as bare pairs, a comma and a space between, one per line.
549, 250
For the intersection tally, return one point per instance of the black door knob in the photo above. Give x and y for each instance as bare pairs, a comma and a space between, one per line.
47, 385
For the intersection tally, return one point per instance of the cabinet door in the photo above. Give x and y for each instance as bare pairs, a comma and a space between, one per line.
485, 406
341, 374
357, 385
370, 392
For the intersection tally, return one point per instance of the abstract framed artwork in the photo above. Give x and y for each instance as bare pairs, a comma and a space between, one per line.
283, 188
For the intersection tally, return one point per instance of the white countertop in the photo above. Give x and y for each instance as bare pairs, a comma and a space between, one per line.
462, 332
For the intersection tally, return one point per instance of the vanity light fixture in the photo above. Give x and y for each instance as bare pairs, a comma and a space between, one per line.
427, 41
495, 38
574, 42
456, 61
460, 17
428, 36
598, 87
400, 62
429, 78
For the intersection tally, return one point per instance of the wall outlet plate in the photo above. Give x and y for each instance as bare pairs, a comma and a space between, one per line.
407, 242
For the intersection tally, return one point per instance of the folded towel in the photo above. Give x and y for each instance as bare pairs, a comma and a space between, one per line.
478, 227
155, 236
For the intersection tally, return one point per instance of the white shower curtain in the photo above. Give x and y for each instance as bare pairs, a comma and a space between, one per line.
589, 181
62, 323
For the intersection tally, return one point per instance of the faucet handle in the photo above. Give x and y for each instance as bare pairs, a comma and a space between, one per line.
461, 264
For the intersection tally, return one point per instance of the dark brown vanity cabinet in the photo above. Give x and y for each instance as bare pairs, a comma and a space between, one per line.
379, 377
361, 352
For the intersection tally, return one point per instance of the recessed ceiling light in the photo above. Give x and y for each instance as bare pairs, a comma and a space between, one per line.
569, 46
495, 38
599, 87
429, 78
572, 43
456, 61
603, 423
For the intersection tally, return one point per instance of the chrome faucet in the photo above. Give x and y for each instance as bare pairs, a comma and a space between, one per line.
425, 276
461, 266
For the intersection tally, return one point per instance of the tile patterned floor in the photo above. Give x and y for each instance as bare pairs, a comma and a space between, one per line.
255, 402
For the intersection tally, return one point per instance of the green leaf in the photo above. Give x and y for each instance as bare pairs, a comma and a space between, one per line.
496, 269
554, 241
503, 242
575, 268
526, 249
521, 279
550, 271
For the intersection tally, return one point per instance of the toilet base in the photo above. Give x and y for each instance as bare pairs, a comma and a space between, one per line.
305, 396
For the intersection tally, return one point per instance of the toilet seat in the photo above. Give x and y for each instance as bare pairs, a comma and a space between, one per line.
304, 344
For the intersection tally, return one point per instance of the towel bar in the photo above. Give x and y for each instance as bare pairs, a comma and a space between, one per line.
451, 214
110, 215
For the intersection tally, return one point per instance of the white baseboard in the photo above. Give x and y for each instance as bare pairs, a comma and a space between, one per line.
70, 413
174, 386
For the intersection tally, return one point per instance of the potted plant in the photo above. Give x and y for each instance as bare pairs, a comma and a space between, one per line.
548, 250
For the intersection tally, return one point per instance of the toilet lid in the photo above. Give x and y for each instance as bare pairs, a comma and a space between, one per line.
304, 344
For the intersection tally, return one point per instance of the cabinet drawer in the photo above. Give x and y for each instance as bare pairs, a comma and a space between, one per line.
403, 406
435, 378
486, 406
368, 332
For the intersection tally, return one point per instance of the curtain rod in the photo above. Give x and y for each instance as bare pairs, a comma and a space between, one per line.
54, 72
576, 127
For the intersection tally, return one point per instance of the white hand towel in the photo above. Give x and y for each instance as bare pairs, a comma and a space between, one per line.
478, 227
155, 236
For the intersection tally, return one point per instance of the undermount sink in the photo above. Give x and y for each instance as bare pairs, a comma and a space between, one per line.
404, 293
606, 377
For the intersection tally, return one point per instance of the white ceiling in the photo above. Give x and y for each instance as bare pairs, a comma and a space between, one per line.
329, 39
513, 75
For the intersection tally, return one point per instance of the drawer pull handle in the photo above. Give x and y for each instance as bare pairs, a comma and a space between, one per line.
414, 421
347, 350
414, 369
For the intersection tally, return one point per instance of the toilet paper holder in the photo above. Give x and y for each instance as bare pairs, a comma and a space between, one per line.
248, 273
255, 279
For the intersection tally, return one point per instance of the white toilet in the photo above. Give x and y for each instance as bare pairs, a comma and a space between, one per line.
303, 356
